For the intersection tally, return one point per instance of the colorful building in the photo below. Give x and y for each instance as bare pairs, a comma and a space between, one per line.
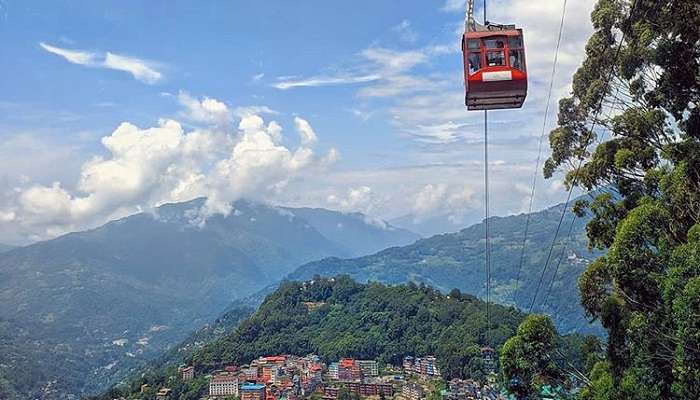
187, 373
411, 391
368, 367
252, 391
223, 384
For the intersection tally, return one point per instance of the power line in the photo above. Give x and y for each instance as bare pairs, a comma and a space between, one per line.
486, 223
539, 154
578, 168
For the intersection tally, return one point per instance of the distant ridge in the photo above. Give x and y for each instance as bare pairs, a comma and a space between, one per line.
456, 260
81, 310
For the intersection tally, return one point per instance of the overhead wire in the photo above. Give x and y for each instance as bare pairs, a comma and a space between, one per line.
581, 158
539, 154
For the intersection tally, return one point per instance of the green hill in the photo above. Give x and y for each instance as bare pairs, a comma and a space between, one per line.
457, 260
79, 312
349, 319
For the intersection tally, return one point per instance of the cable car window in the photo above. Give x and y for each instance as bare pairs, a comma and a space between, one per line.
515, 42
474, 62
516, 59
474, 45
494, 43
495, 58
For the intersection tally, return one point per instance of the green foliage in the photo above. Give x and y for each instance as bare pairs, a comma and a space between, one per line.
456, 260
154, 278
645, 290
363, 321
527, 358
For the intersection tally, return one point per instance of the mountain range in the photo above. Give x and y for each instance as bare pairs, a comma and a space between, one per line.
453, 260
5, 248
457, 260
338, 317
80, 311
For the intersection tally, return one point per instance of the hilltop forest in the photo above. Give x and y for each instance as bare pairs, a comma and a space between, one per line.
338, 317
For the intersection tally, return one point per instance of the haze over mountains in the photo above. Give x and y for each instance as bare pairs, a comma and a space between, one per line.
457, 260
78, 311
5, 247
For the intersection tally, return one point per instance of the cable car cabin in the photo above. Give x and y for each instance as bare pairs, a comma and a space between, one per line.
495, 75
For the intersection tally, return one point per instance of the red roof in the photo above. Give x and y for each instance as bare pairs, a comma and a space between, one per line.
275, 358
347, 362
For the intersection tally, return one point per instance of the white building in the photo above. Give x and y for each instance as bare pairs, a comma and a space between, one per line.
223, 384
368, 367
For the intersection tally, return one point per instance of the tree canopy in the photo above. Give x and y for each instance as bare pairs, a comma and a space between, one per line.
631, 129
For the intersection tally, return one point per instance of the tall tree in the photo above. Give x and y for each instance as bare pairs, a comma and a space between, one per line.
527, 358
637, 94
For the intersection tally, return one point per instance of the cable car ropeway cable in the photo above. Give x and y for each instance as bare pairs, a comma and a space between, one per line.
539, 154
578, 168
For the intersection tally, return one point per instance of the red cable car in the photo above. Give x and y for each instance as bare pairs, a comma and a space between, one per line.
495, 75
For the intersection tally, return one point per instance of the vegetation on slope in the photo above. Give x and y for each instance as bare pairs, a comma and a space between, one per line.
457, 260
80, 312
371, 321
643, 59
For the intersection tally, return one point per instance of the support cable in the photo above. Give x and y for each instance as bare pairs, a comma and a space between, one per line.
539, 155
581, 158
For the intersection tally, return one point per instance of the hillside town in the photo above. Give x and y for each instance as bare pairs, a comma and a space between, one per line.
291, 377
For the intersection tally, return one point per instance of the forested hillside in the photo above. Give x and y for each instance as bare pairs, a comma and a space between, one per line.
81, 311
457, 260
349, 319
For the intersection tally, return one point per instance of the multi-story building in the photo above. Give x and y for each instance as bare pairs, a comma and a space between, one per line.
333, 370
368, 367
349, 370
428, 366
370, 389
187, 373
330, 393
408, 362
252, 391
411, 391
250, 373
223, 384
424, 366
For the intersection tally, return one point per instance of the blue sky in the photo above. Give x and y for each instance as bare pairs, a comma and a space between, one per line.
367, 96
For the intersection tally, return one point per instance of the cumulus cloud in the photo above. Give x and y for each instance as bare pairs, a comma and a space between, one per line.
358, 198
145, 167
441, 198
206, 110
142, 70
306, 132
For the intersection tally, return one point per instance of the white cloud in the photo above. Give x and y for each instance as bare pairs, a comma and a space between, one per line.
454, 5
286, 84
147, 167
355, 199
253, 110
306, 133
405, 31
206, 110
141, 70
441, 199
393, 61
74, 56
